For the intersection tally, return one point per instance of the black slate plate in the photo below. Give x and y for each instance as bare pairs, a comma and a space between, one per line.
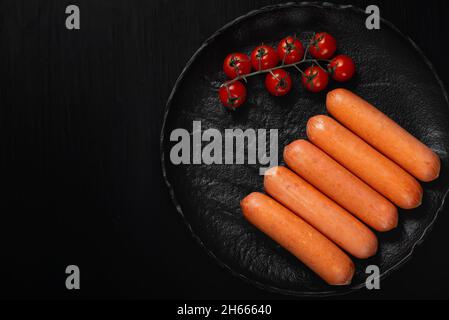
392, 73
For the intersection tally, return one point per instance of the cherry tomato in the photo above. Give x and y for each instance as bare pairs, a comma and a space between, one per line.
236, 64
264, 57
278, 83
341, 68
232, 95
315, 79
290, 50
323, 46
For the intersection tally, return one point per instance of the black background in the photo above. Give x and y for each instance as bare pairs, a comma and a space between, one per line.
80, 174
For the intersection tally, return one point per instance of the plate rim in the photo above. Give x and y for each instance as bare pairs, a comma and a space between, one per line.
256, 283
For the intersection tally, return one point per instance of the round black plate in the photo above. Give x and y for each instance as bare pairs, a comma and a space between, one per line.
392, 73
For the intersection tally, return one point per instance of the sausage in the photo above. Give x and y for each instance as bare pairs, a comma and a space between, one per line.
336, 182
320, 212
297, 236
365, 162
384, 134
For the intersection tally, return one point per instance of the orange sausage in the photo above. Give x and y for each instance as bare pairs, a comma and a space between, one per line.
365, 162
383, 134
298, 237
321, 212
340, 185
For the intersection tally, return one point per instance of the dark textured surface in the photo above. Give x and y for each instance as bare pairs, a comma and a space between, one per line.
80, 175
392, 74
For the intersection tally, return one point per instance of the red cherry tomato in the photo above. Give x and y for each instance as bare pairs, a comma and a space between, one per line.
341, 68
290, 50
236, 64
278, 83
315, 79
264, 57
232, 95
323, 46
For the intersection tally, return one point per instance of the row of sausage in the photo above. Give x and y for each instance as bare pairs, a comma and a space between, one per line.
340, 185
